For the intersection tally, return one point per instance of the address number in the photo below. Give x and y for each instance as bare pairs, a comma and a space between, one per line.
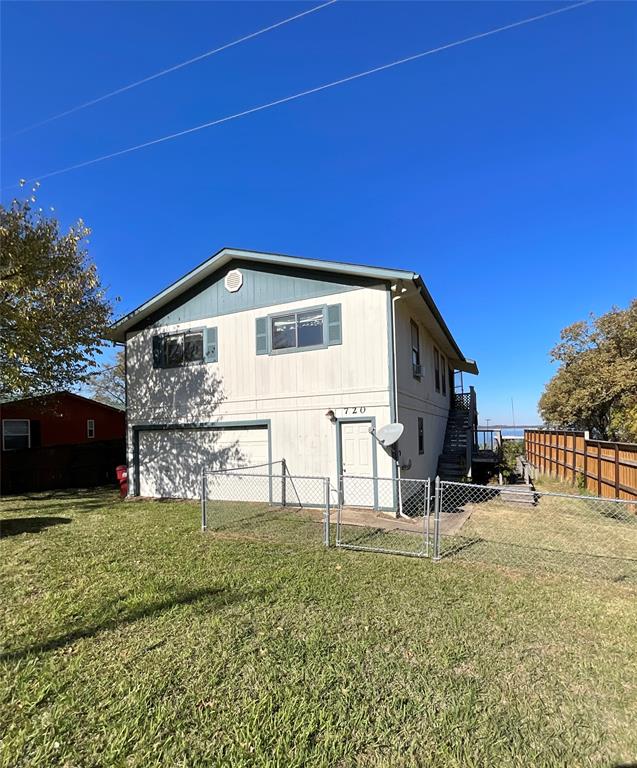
353, 410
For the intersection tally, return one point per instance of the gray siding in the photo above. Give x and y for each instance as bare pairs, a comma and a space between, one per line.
262, 287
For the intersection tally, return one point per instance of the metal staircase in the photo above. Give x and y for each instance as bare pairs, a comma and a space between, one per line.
454, 463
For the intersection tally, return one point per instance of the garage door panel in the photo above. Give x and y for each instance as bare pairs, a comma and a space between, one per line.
171, 461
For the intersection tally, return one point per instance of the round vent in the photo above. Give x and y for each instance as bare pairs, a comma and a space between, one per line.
233, 281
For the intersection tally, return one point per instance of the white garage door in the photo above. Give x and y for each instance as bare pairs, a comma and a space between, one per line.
170, 461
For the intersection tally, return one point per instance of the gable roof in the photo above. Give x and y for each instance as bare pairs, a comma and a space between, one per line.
223, 257
58, 395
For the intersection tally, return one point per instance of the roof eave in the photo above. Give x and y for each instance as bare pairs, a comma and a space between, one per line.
461, 363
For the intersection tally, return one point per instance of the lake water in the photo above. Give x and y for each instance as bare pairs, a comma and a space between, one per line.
513, 432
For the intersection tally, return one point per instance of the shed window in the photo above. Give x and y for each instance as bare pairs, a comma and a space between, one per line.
437, 369
16, 434
90, 428
421, 435
298, 330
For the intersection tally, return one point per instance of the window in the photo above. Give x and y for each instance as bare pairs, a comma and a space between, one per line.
421, 435
16, 434
177, 349
298, 330
90, 428
443, 375
437, 369
174, 351
415, 351
193, 347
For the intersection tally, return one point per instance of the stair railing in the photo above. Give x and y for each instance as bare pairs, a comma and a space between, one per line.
471, 430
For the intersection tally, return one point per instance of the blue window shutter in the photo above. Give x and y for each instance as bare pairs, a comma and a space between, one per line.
262, 335
211, 348
334, 334
157, 351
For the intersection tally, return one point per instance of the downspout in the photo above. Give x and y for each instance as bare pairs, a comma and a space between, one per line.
403, 293
395, 393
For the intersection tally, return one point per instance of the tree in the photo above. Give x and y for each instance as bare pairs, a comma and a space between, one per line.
595, 387
54, 311
108, 385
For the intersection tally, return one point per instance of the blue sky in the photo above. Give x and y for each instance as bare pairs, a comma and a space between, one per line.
504, 171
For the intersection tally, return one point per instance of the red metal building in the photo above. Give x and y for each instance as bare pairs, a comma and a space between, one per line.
59, 419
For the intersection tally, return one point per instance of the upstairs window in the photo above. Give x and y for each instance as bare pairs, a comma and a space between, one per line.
174, 350
16, 434
443, 376
90, 428
183, 348
298, 330
437, 369
415, 351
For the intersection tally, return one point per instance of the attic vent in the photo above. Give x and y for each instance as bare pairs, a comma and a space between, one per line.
233, 281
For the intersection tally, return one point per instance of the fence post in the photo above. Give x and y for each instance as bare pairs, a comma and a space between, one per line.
616, 470
427, 511
599, 469
204, 517
339, 508
283, 484
437, 505
326, 514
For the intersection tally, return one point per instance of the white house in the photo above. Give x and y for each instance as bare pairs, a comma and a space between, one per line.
254, 357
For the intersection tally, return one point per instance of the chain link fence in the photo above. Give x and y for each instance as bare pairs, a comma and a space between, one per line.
256, 503
522, 528
385, 515
509, 526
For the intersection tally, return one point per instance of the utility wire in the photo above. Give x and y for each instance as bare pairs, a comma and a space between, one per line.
163, 72
308, 92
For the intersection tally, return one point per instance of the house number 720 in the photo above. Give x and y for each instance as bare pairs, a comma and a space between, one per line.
352, 410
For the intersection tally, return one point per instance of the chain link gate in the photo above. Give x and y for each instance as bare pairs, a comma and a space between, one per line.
363, 522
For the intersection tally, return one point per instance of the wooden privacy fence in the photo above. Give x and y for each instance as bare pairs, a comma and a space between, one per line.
85, 465
604, 468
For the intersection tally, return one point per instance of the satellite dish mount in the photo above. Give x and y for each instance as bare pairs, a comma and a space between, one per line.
388, 436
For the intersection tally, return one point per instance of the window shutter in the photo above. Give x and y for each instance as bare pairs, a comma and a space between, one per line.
157, 348
334, 334
262, 335
211, 349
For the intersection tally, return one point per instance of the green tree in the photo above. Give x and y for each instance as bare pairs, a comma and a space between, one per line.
53, 310
595, 387
108, 384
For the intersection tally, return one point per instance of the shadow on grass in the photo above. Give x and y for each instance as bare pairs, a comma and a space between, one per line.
210, 598
459, 545
221, 520
61, 501
18, 525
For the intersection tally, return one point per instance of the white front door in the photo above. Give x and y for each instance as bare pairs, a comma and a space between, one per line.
357, 463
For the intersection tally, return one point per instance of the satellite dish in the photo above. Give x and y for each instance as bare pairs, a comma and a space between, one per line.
389, 434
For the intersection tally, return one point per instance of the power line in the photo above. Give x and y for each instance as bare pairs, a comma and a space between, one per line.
163, 72
307, 92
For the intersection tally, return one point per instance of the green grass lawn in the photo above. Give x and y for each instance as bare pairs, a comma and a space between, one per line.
130, 638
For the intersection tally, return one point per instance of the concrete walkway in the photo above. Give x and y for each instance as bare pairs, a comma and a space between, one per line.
450, 522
